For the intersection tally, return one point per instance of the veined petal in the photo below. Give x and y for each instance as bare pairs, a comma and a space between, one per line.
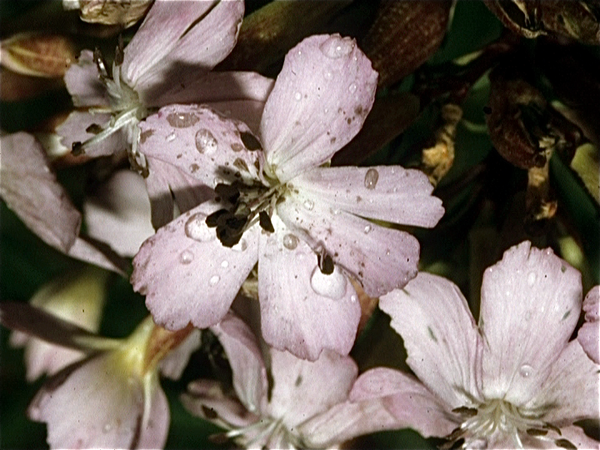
83, 83
187, 275
589, 333
200, 142
380, 258
119, 213
180, 40
218, 87
303, 389
73, 130
319, 102
570, 392
247, 365
29, 187
389, 193
530, 303
440, 336
296, 316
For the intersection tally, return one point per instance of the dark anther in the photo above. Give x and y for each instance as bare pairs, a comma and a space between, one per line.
564, 443
537, 432
209, 413
228, 192
77, 148
465, 411
265, 222
100, 63
250, 142
228, 236
93, 129
325, 264
212, 220
119, 53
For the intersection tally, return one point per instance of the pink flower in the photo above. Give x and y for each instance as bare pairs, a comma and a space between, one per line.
515, 380
282, 206
112, 398
589, 333
303, 404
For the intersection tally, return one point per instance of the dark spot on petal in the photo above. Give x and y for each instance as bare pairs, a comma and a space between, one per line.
250, 141
145, 135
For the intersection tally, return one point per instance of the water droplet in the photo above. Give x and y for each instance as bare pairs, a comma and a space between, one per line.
196, 229
224, 264
171, 137
106, 428
353, 298
368, 229
336, 46
298, 96
182, 120
531, 278
526, 370
205, 142
186, 257
290, 241
371, 178
328, 75
332, 286
214, 280
352, 88
309, 204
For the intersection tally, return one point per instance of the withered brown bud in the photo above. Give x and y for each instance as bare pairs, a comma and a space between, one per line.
579, 20
38, 54
523, 127
404, 35
124, 13
15, 87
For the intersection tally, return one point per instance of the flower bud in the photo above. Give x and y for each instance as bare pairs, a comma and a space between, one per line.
579, 20
38, 54
404, 35
110, 12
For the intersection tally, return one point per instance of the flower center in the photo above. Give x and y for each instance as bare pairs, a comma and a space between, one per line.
497, 420
125, 108
265, 433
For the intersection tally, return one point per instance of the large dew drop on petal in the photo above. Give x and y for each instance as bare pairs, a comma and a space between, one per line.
371, 178
332, 286
196, 229
336, 46
205, 142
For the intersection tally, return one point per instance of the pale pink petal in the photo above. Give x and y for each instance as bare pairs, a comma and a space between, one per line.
94, 252
440, 336
530, 303
589, 333
303, 310
380, 258
154, 426
73, 130
200, 142
42, 358
30, 188
206, 399
169, 186
389, 193
83, 82
319, 102
302, 389
381, 399
178, 41
576, 436
218, 87
118, 213
571, 388
109, 409
247, 111
173, 365
247, 365
186, 273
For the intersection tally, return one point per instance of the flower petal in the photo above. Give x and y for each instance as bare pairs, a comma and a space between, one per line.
83, 82
173, 365
589, 333
440, 336
118, 213
319, 102
73, 130
154, 426
389, 193
179, 40
530, 303
294, 314
29, 187
247, 365
302, 389
98, 253
570, 392
200, 142
218, 87
381, 258
187, 275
